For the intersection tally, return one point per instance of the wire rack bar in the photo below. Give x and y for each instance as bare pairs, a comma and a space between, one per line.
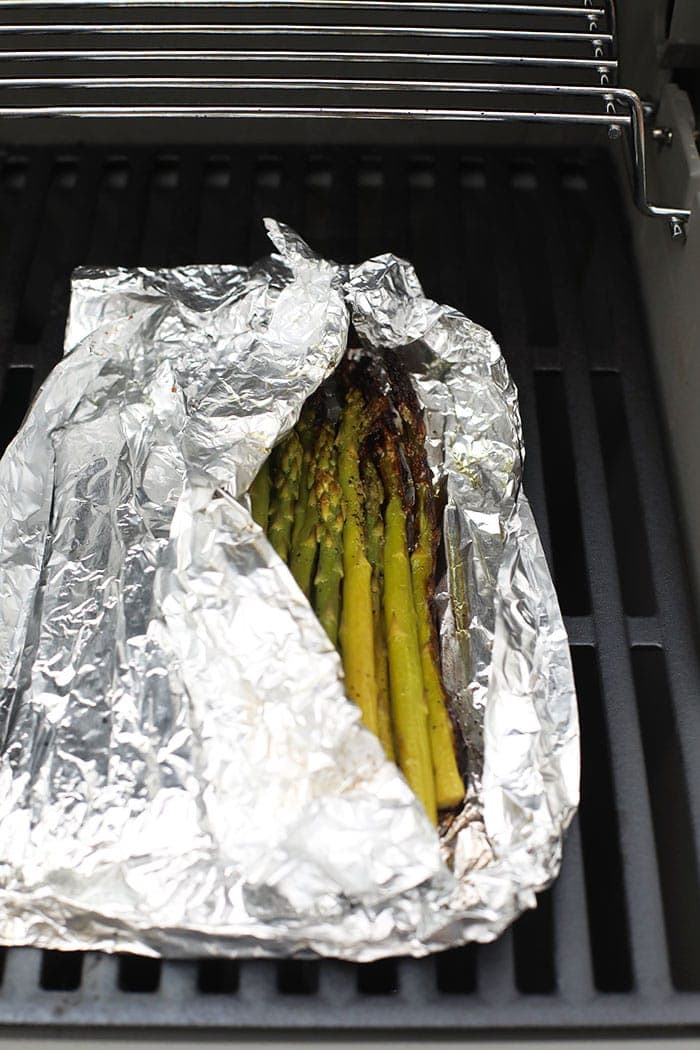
287, 55
301, 83
292, 29
310, 112
445, 6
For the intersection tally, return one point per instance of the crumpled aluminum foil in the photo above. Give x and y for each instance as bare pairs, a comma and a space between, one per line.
180, 772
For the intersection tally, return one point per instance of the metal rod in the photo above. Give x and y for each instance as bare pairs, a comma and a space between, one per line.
256, 29
304, 83
611, 15
314, 112
639, 163
229, 55
445, 6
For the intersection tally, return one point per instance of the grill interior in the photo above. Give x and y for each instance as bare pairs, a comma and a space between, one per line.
531, 245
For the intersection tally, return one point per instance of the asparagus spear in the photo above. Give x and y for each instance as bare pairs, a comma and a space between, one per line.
260, 496
305, 433
408, 703
285, 469
328, 498
302, 556
356, 632
374, 497
449, 788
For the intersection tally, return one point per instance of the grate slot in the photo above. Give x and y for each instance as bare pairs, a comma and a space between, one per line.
631, 546
14, 174
563, 507
216, 186
395, 206
378, 978
371, 190
61, 971
173, 211
447, 281
480, 285
106, 232
455, 971
120, 211
533, 949
527, 223
268, 198
59, 248
218, 976
678, 864
600, 318
297, 977
598, 821
22, 211
139, 974
318, 210
223, 230
423, 231
16, 394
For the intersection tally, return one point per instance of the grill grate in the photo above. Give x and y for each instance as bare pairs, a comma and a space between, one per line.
530, 245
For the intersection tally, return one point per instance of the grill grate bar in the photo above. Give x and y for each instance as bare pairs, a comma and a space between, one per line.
100, 975
178, 981
573, 968
644, 630
495, 971
21, 972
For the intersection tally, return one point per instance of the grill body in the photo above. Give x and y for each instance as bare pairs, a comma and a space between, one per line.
530, 243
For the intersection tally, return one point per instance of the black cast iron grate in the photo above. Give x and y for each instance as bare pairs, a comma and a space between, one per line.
533, 247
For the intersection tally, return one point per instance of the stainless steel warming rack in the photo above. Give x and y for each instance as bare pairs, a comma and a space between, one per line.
411, 60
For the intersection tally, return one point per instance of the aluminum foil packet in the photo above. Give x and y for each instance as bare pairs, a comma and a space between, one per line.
180, 770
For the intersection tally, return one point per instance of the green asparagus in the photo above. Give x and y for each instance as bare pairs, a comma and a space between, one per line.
408, 705
374, 497
449, 788
328, 498
285, 469
304, 548
356, 631
260, 496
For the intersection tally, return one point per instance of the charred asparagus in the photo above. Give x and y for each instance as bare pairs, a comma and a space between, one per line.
352, 510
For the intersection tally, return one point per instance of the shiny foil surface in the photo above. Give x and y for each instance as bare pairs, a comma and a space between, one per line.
180, 771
